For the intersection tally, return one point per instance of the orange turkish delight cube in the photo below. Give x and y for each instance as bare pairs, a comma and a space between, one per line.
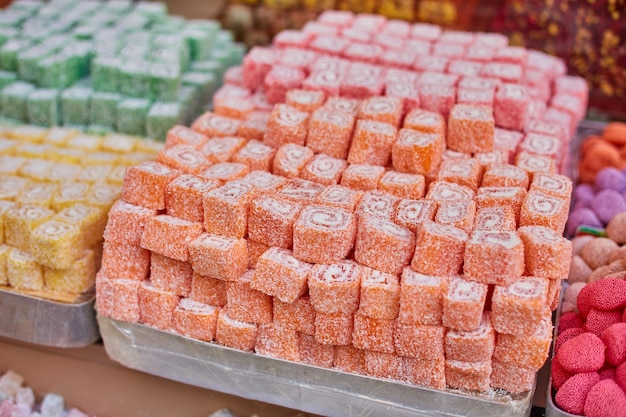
279, 274
220, 257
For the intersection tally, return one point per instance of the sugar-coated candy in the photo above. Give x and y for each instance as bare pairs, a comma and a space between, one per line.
279, 274
349, 359
533, 163
471, 376
342, 105
182, 135
254, 126
126, 223
277, 342
170, 274
421, 298
233, 107
381, 109
539, 144
298, 315
263, 181
463, 304
439, 249
330, 132
448, 191
430, 374
458, 213
466, 172
125, 261
518, 308
70, 193
514, 197
530, 350
213, 125
20, 221
126, 300
184, 158
225, 172
373, 334
470, 129
378, 204
513, 379
56, 244
411, 213
183, 197
420, 341
327, 80
194, 319
511, 106
23, 271
207, 290
314, 353
363, 177
340, 197
78, 278
605, 398
216, 256
156, 306
403, 185
271, 220
496, 218
256, 155
334, 328
546, 252
235, 334
37, 193
471, 346
324, 169
541, 209
322, 234
92, 221
383, 365
286, 125
335, 288
222, 149
305, 100
246, 304
300, 190
290, 159
144, 184
170, 236
417, 152
505, 175
494, 257
372, 142
226, 209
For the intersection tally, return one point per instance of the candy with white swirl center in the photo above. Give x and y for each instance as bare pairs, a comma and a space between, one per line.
222, 149
464, 172
339, 196
212, 125
518, 308
330, 132
226, 209
323, 234
457, 213
443, 190
463, 304
403, 185
144, 184
305, 100
542, 209
56, 244
279, 274
23, 271
300, 190
324, 169
377, 203
343, 105
363, 177
182, 135
472, 346
372, 142
385, 109
494, 257
256, 155
439, 249
547, 253
495, 218
225, 171
20, 222
184, 158
411, 213
505, 175
380, 295
335, 288
290, 159
533, 163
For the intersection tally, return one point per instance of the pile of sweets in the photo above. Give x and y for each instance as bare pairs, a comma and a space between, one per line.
439, 268
589, 367
17, 400
360, 56
598, 152
56, 188
106, 66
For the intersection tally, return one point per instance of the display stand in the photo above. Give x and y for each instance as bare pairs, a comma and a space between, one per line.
49, 323
304, 387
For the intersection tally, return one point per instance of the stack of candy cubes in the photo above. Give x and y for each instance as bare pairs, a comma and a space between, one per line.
350, 233
56, 188
17, 400
106, 66
589, 363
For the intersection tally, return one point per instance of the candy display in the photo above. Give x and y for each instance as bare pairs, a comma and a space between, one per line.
286, 244
103, 67
57, 188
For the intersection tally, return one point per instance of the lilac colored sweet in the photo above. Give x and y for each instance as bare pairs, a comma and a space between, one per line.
610, 179
579, 204
580, 217
607, 204
583, 192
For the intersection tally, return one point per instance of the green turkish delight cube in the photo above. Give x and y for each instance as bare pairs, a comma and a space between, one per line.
131, 115
134, 80
103, 109
161, 118
206, 82
43, 107
14, 100
164, 81
57, 71
75, 105
7, 78
9, 52
105, 73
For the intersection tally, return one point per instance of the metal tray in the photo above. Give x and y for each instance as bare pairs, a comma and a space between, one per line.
50, 323
304, 387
